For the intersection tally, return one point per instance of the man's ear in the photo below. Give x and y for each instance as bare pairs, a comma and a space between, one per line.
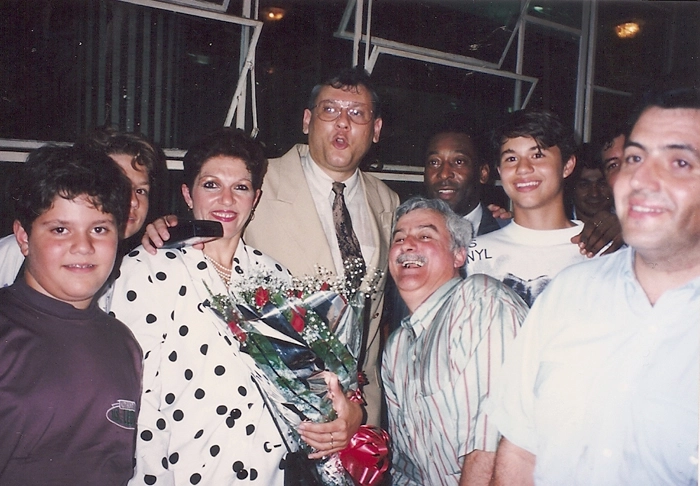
484, 172
377, 129
22, 237
569, 166
460, 257
306, 121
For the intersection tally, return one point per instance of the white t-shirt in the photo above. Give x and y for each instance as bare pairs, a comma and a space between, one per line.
524, 259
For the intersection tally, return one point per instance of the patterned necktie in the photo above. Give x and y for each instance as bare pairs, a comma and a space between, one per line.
347, 240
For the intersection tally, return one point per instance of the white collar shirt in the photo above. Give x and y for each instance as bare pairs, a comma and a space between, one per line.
321, 188
602, 386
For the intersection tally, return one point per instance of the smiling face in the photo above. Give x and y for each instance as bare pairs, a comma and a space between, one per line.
452, 172
140, 189
533, 177
223, 191
338, 146
592, 193
421, 258
657, 193
70, 252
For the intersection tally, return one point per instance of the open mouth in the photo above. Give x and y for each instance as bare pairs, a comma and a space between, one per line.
645, 209
340, 143
410, 261
527, 185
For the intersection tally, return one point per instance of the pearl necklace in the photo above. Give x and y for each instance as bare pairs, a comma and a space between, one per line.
223, 272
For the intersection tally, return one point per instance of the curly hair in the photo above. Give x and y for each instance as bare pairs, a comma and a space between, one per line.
70, 172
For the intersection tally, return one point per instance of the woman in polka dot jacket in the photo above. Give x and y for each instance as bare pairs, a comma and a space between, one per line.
202, 419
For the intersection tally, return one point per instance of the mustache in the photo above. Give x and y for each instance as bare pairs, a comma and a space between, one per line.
405, 258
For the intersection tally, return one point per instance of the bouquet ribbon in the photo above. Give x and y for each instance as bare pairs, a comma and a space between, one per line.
366, 458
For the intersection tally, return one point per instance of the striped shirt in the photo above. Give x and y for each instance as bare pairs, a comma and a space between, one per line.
438, 369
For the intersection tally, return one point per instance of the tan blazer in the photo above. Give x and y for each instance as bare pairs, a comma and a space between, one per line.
286, 227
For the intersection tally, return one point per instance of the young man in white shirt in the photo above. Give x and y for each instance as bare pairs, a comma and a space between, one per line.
535, 156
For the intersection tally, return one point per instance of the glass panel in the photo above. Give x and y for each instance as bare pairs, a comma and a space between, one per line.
552, 57
293, 54
70, 65
474, 29
422, 98
631, 63
610, 113
564, 13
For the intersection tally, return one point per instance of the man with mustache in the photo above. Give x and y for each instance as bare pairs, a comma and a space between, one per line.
602, 387
440, 365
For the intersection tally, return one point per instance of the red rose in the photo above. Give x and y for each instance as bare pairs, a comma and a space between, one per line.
325, 286
238, 333
262, 296
298, 314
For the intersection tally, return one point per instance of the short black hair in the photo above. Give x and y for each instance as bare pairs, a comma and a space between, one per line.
477, 139
684, 97
230, 142
349, 78
70, 172
543, 126
608, 138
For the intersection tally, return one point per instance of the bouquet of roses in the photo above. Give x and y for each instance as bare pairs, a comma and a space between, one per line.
295, 334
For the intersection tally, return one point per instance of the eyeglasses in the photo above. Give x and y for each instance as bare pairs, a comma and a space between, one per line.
358, 113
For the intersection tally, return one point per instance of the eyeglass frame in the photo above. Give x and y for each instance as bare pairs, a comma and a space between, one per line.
348, 105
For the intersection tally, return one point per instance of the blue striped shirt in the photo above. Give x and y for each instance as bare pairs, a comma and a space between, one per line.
438, 370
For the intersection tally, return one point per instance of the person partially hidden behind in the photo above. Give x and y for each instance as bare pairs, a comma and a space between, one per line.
602, 386
454, 172
70, 375
142, 162
590, 191
440, 366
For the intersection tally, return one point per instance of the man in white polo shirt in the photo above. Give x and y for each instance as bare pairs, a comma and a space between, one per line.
602, 387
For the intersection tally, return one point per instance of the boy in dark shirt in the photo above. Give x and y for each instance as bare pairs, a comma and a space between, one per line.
70, 375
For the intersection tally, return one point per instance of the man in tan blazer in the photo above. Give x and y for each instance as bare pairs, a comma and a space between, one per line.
292, 223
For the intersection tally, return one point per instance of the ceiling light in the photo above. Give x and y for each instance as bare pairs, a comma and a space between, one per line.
627, 30
272, 13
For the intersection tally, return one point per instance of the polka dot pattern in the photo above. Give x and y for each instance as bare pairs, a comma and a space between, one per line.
203, 400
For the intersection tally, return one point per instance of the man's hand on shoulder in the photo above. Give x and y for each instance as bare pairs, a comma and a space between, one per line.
604, 229
498, 212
